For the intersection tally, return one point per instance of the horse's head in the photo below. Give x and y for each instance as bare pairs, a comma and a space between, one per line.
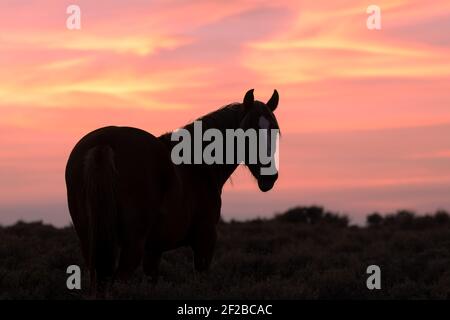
260, 117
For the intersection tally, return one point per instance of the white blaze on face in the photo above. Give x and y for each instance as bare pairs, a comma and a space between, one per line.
264, 124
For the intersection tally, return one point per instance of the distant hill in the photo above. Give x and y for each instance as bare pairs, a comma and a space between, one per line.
304, 253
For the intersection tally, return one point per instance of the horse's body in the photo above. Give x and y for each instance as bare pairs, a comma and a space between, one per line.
129, 202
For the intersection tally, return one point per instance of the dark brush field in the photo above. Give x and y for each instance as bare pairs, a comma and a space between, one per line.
305, 253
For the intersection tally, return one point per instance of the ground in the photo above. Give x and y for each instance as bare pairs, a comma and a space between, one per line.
305, 253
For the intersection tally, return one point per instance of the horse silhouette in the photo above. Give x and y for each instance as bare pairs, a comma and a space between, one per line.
129, 202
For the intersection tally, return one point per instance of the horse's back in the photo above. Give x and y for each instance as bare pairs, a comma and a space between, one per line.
142, 166
137, 154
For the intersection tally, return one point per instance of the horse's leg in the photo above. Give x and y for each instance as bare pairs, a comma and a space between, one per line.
152, 259
80, 224
93, 283
135, 227
204, 242
130, 257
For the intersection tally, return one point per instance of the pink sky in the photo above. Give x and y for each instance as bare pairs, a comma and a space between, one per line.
365, 114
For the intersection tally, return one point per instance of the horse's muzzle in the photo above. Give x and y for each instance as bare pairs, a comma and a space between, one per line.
266, 184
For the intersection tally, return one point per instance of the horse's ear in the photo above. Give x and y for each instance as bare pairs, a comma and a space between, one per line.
272, 104
249, 99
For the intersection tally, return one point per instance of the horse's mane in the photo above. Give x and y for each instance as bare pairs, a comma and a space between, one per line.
226, 117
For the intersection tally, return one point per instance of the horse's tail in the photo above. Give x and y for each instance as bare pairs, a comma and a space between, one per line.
102, 213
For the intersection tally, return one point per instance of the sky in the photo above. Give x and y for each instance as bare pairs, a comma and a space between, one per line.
365, 114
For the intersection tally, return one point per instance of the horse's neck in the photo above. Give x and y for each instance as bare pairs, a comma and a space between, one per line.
229, 117
221, 119
226, 118
223, 173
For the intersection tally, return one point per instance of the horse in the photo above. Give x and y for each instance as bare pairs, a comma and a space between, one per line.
129, 202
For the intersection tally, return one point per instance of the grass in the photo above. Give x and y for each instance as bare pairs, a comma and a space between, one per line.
305, 253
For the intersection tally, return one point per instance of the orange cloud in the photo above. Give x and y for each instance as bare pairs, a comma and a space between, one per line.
329, 42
